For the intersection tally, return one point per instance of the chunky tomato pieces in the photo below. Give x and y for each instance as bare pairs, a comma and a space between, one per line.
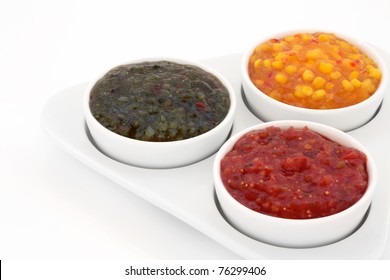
294, 173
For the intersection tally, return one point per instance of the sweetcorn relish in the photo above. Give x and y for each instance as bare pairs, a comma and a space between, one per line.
313, 70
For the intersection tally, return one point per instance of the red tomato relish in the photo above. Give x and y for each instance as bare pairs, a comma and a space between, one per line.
294, 173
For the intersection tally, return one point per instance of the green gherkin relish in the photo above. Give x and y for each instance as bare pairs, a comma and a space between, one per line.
159, 101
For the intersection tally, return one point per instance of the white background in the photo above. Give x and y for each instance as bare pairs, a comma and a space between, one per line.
51, 205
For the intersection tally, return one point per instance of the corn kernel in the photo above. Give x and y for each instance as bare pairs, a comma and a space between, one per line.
297, 47
355, 56
306, 37
318, 82
289, 38
290, 69
284, 44
277, 64
346, 62
319, 94
267, 63
335, 75
314, 54
298, 92
258, 63
353, 75
368, 85
374, 73
345, 45
335, 55
356, 83
347, 85
281, 78
323, 38
355, 49
252, 59
281, 56
263, 48
325, 67
277, 47
334, 48
308, 75
306, 90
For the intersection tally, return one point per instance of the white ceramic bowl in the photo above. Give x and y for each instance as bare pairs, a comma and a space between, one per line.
347, 118
160, 154
295, 233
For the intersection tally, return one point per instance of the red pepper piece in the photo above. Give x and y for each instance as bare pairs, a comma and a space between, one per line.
200, 105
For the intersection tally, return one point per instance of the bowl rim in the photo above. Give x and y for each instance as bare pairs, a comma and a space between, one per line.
204, 136
314, 126
363, 46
